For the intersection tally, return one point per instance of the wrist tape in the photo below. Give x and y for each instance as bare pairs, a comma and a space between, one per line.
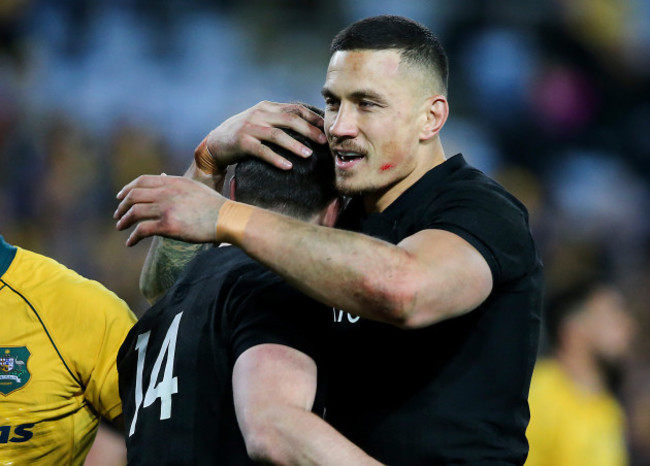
232, 221
205, 161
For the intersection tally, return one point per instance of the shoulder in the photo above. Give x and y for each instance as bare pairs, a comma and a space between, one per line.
473, 188
225, 278
484, 213
224, 263
43, 281
458, 195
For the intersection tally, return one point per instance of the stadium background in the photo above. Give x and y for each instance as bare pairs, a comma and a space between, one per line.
552, 97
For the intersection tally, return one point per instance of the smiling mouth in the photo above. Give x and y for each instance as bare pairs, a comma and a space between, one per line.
346, 157
347, 160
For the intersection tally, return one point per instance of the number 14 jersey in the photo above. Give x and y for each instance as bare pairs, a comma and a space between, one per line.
175, 366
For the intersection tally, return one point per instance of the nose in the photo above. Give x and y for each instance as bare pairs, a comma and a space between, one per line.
344, 123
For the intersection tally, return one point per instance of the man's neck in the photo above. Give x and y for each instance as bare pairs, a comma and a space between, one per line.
380, 200
582, 368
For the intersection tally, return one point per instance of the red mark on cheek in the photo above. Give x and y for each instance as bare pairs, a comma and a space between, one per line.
386, 166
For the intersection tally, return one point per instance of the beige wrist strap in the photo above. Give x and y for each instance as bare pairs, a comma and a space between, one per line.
205, 161
232, 221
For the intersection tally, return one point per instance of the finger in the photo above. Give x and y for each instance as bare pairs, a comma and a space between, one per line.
138, 213
254, 147
136, 196
293, 116
143, 181
306, 114
266, 153
143, 230
280, 138
297, 123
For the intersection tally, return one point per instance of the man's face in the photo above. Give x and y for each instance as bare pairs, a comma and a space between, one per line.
609, 325
374, 112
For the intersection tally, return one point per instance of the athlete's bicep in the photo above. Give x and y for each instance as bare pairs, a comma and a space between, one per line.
268, 378
453, 277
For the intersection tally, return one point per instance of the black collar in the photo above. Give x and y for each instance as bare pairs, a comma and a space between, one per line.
414, 193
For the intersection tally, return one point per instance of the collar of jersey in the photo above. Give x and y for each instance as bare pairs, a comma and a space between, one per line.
419, 190
7, 254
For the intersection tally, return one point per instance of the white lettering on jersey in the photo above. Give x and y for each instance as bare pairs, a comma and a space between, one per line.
338, 316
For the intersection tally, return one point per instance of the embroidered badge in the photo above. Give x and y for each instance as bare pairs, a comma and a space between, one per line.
13, 368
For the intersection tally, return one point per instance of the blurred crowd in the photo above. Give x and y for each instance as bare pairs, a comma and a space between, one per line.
550, 97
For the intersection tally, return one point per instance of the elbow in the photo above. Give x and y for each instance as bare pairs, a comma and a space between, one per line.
405, 304
395, 304
261, 447
263, 440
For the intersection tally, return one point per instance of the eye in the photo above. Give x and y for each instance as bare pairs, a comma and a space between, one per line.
331, 104
367, 104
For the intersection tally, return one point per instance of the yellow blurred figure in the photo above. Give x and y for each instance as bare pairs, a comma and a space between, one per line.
576, 419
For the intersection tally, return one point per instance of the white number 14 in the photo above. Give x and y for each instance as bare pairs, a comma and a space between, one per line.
168, 385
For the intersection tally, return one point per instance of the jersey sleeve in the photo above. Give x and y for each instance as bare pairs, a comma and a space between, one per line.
491, 221
277, 314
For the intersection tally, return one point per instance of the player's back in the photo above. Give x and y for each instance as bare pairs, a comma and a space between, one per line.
176, 364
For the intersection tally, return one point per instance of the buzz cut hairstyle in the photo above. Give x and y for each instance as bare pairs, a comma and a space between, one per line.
301, 192
418, 45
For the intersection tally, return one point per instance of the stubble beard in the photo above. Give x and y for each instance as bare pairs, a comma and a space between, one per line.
344, 188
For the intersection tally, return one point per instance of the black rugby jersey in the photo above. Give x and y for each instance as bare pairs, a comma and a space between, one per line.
175, 366
454, 392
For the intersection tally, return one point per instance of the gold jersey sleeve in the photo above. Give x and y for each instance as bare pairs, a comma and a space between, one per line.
59, 339
572, 427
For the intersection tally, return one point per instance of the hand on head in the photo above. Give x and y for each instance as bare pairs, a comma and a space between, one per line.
244, 134
169, 206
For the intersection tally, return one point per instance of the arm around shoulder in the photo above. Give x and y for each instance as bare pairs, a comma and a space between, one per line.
430, 276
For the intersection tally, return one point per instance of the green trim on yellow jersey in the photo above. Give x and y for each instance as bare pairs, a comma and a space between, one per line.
46, 332
7, 254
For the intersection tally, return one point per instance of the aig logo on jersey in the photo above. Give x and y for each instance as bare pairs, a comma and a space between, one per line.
13, 369
339, 316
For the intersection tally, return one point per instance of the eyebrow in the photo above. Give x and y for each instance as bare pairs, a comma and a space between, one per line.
356, 95
325, 92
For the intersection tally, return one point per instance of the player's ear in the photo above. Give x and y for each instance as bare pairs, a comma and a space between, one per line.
435, 111
331, 212
233, 185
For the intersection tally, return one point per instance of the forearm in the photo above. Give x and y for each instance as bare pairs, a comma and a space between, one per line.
167, 257
294, 436
362, 275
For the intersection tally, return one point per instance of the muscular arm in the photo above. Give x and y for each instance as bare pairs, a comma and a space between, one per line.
274, 387
430, 276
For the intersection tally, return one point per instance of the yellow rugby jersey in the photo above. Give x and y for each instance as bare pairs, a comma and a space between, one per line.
59, 339
570, 427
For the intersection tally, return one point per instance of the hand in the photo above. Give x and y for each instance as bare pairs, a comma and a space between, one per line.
243, 134
171, 206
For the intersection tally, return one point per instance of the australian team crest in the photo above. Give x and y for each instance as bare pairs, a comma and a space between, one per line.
13, 368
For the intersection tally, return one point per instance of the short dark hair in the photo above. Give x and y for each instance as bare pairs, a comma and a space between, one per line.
300, 192
416, 42
566, 303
